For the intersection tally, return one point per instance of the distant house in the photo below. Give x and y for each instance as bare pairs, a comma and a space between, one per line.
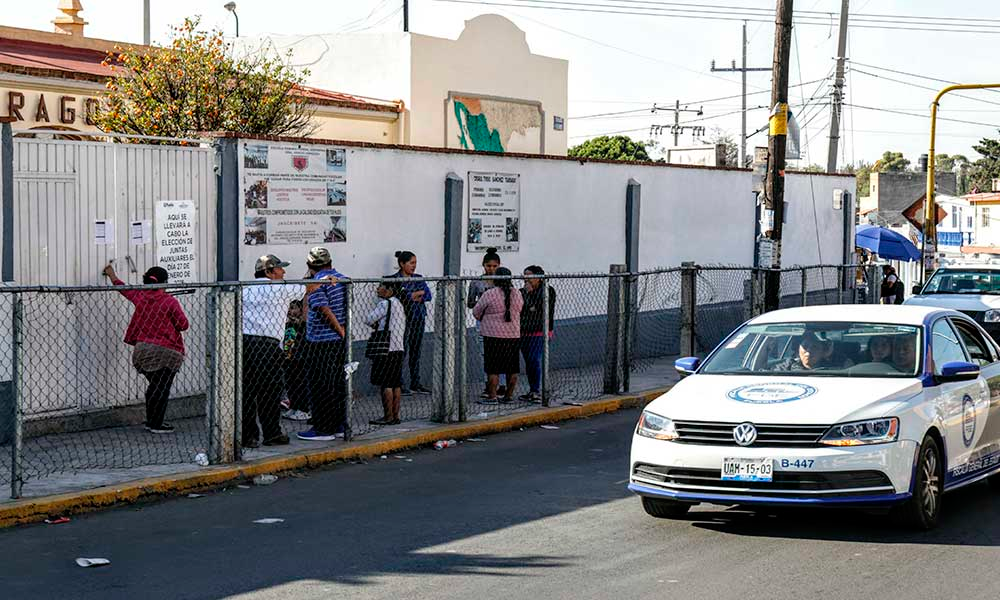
889, 194
986, 222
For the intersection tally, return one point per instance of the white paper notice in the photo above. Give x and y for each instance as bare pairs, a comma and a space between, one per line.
175, 240
104, 233
140, 232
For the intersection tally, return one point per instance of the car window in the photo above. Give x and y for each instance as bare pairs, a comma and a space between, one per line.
979, 350
964, 282
945, 346
841, 349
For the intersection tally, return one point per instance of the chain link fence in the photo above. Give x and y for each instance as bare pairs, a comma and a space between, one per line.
252, 375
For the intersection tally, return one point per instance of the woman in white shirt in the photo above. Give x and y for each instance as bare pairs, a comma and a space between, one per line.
387, 369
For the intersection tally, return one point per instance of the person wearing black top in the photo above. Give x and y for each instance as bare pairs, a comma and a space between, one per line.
532, 334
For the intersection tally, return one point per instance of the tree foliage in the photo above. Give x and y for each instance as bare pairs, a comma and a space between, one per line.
957, 164
985, 169
196, 84
891, 162
618, 147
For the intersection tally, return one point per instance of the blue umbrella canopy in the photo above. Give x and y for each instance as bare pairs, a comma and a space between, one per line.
886, 243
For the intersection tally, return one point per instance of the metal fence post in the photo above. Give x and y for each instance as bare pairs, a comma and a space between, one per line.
756, 292
841, 284
446, 326
613, 355
689, 300
461, 362
237, 384
349, 367
223, 425
545, 342
874, 284
16, 447
805, 286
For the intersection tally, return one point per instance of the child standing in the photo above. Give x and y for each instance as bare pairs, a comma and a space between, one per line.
387, 369
296, 382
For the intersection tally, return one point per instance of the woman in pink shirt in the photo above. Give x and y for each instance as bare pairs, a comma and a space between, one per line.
155, 332
499, 313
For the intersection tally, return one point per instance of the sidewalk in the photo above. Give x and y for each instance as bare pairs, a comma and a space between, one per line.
110, 456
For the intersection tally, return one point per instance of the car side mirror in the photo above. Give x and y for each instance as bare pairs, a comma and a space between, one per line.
958, 370
916, 289
687, 366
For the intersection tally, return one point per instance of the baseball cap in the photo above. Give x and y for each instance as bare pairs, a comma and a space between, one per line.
268, 262
319, 256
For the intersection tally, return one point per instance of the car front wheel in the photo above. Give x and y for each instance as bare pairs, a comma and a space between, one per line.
662, 508
923, 510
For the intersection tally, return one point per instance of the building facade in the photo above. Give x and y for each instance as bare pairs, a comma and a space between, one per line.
485, 90
889, 194
54, 81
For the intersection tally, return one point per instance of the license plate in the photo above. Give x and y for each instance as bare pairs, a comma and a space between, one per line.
747, 469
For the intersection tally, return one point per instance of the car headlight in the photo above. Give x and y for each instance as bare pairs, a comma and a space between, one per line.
991, 316
859, 433
652, 425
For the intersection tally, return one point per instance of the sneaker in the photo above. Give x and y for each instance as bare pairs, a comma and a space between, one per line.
295, 415
489, 401
312, 435
163, 428
278, 440
485, 394
420, 390
382, 421
406, 392
506, 399
394, 422
532, 397
251, 444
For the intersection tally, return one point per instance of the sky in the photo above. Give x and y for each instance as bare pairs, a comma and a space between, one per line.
628, 62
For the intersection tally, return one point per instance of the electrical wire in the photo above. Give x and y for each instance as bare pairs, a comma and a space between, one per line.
922, 87
720, 16
909, 114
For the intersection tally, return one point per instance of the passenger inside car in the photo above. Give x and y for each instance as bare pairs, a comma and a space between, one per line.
879, 349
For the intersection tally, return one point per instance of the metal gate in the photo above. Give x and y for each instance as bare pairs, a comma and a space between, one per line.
62, 190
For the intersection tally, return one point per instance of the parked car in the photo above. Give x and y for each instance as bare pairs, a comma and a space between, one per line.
970, 289
870, 406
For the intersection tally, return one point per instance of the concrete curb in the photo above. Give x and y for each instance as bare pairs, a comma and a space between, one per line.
37, 509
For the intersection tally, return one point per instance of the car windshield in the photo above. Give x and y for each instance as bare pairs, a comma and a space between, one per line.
964, 282
835, 349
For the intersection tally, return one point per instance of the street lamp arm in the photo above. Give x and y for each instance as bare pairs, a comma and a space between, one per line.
930, 207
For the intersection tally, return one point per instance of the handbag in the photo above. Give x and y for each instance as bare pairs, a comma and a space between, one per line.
378, 341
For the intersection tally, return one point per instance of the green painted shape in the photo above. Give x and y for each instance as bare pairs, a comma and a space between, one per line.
476, 130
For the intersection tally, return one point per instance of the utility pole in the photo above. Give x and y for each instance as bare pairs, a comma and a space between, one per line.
774, 187
677, 129
838, 90
406, 15
743, 71
145, 22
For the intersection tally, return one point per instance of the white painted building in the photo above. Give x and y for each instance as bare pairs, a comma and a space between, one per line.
485, 90
957, 228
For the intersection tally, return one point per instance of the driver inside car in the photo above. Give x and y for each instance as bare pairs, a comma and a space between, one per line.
813, 354
904, 353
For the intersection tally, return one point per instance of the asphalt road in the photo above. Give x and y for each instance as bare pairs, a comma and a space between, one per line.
533, 514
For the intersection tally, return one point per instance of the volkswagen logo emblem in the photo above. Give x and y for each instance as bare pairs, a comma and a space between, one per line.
744, 434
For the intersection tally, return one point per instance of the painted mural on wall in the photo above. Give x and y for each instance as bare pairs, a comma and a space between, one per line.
494, 125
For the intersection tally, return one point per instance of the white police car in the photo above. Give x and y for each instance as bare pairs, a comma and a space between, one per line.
828, 405
971, 289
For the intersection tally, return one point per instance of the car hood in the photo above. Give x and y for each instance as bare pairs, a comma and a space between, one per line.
793, 400
976, 302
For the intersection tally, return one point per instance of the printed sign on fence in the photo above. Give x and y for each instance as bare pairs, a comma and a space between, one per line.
494, 212
175, 240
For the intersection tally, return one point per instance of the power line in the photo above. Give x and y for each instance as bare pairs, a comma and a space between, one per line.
909, 114
923, 87
713, 16
915, 75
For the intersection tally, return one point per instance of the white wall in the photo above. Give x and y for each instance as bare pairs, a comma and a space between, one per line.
572, 214
363, 64
490, 58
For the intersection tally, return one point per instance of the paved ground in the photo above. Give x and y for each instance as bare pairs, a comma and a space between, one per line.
533, 514
82, 460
